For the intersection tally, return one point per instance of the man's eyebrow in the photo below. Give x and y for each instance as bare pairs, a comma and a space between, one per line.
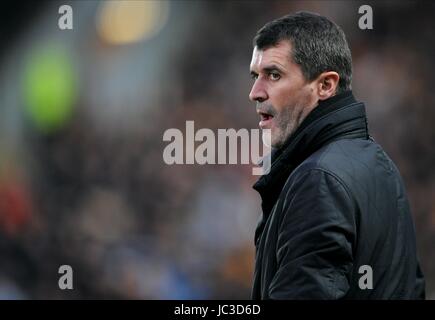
272, 67
268, 69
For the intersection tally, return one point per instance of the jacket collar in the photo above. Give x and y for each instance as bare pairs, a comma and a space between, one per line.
339, 117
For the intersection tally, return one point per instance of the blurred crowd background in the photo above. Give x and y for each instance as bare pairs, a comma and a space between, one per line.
82, 116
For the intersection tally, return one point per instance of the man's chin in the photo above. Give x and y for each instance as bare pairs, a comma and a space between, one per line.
269, 142
272, 140
278, 142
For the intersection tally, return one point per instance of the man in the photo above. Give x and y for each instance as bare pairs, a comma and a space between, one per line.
336, 221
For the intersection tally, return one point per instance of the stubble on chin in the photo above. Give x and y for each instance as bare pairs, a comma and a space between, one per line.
285, 127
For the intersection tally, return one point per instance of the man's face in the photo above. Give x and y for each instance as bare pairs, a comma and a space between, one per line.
284, 97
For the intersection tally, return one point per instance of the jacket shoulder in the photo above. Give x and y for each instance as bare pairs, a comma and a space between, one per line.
352, 161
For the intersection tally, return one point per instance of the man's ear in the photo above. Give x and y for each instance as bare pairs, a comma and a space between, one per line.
327, 84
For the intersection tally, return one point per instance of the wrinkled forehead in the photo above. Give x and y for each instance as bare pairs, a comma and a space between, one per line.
279, 54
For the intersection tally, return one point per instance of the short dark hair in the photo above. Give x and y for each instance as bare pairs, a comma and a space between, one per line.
319, 45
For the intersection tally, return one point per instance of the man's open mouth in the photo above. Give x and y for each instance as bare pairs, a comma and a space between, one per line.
265, 120
265, 116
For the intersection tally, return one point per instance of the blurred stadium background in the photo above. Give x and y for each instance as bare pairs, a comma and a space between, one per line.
82, 116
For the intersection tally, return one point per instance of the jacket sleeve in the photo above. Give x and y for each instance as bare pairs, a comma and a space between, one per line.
315, 239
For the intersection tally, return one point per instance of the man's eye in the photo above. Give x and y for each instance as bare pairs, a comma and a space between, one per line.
254, 76
274, 76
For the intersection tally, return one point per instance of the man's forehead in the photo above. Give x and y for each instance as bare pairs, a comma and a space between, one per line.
257, 56
278, 54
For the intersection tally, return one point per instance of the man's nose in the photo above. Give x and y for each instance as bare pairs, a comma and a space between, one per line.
258, 92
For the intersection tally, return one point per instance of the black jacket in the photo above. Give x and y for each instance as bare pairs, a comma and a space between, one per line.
334, 202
